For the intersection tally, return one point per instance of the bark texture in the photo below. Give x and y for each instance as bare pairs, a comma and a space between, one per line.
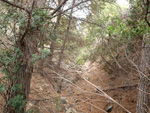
27, 48
143, 87
52, 45
27, 45
66, 36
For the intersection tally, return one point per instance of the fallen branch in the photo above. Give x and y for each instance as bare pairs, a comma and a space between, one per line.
120, 87
107, 96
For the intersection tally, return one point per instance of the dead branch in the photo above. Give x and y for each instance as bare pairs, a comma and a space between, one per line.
58, 8
16, 5
107, 96
138, 70
121, 87
93, 106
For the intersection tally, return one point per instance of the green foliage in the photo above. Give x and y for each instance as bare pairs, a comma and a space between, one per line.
58, 103
2, 88
35, 57
95, 34
9, 60
45, 53
17, 103
16, 88
80, 60
13, 23
11, 67
125, 31
53, 36
39, 18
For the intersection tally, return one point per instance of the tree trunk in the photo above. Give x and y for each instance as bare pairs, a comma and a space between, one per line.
142, 104
143, 87
66, 36
27, 47
52, 45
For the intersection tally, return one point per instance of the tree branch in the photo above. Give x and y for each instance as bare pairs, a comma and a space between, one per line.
147, 12
76, 5
66, 9
28, 23
83, 20
58, 8
15, 5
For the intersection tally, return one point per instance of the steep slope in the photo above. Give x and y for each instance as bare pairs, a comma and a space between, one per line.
120, 86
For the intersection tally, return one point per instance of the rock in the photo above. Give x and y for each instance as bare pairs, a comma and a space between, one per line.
109, 109
70, 105
41, 88
91, 109
71, 110
77, 101
32, 103
63, 100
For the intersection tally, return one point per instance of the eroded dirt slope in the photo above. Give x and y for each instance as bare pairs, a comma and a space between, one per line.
82, 97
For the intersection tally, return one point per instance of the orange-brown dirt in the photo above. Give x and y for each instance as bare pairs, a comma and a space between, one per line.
120, 86
82, 96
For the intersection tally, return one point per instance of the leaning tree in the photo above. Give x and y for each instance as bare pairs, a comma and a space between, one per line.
22, 25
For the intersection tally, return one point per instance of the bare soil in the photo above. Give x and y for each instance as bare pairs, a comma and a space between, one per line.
82, 96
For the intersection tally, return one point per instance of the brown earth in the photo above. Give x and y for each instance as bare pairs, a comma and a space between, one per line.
82, 96
120, 86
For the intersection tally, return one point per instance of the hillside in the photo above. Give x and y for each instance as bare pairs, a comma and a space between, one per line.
74, 56
82, 97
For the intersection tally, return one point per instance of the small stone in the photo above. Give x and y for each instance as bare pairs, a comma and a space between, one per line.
71, 110
91, 109
63, 100
70, 105
77, 101
41, 88
109, 109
